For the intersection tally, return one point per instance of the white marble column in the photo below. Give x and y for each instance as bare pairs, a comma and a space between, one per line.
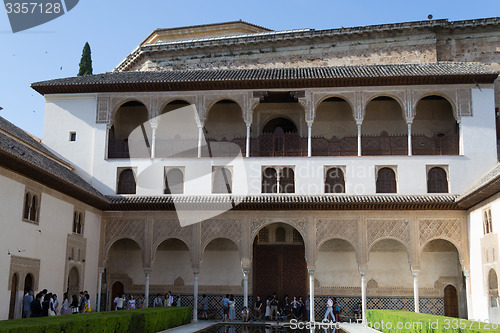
311, 295
195, 295
309, 138
245, 286
363, 296
200, 138
460, 138
153, 140
106, 143
409, 122
147, 273
467, 293
247, 152
99, 289
358, 124
415, 290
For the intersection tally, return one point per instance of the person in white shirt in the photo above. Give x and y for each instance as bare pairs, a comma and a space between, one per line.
329, 310
119, 300
169, 299
157, 302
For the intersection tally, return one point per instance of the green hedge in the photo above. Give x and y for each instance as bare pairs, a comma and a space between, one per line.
387, 321
140, 320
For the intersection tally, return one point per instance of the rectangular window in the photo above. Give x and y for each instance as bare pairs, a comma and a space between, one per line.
31, 207
222, 180
78, 222
126, 183
174, 180
487, 221
72, 136
278, 179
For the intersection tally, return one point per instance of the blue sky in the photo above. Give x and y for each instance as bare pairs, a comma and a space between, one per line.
114, 28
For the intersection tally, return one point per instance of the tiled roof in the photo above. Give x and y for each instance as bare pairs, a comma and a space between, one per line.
487, 186
211, 25
308, 34
33, 161
28, 139
277, 201
443, 72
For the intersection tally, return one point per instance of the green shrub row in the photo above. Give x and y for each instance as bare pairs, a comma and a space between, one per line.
140, 320
390, 321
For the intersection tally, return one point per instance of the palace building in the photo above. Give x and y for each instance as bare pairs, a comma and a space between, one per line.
365, 169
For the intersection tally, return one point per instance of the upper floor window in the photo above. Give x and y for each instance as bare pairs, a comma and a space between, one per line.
280, 236
126, 182
78, 222
31, 206
174, 181
269, 180
222, 181
334, 180
437, 180
263, 235
278, 180
386, 180
487, 221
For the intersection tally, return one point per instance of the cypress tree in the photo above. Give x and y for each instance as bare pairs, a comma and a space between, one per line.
86, 61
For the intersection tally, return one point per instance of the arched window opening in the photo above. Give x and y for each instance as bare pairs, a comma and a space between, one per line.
222, 181
34, 209
279, 125
280, 235
263, 235
297, 238
386, 181
75, 222
493, 288
450, 301
334, 182
437, 180
287, 181
280, 137
126, 182
334, 130
80, 224
129, 116
269, 180
174, 182
13, 295
434, 128
384, 130
487, 221
27, 204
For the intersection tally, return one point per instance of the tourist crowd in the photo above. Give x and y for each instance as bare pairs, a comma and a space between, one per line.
45, 304
123, 303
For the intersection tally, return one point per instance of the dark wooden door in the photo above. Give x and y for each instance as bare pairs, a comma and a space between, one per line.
13, 292
116, 291
450, 301
279, 269
28, 282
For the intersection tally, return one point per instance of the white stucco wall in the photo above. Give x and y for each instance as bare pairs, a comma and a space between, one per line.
49, 245
479, 267
73, 113
78, 113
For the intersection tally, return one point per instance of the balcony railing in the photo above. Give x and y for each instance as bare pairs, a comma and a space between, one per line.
384, 145
278, 145
293, 145
346, 146
435, 145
